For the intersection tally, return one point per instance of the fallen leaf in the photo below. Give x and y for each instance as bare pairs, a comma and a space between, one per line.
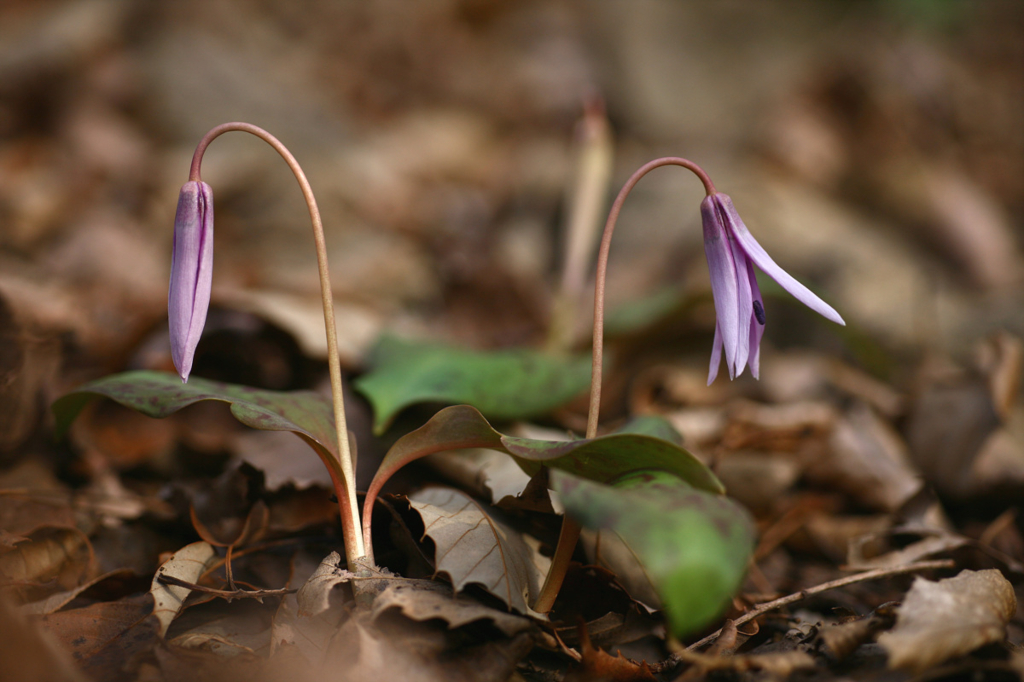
55, 602
104, 636
868, 460
188, 564
842, 639
29, 655
605, 548
473, 547
599, 666
63, 555
420, 600
940, 620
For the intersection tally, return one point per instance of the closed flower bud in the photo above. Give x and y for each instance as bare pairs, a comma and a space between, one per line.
191, 273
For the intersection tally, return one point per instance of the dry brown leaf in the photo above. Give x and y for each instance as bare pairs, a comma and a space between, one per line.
104, 636
842, 639
417, 652
949, 421
420, 600
283, 458
867, 459
940, 620
63, 555
29, 655
227, 630
188, 564
56, 602
779, 664
31, 497
599, 666
606, 549
473, 547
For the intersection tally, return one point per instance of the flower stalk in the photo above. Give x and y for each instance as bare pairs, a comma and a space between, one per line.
732, 252
341, 469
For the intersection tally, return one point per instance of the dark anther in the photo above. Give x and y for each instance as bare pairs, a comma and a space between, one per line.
759, 312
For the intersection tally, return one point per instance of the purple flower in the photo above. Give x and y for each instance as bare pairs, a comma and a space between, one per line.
191, 273
732, 253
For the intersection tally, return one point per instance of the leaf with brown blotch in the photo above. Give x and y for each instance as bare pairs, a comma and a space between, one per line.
473, 547
187, 564
951, 617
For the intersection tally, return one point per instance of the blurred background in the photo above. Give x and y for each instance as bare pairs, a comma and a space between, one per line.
875, 148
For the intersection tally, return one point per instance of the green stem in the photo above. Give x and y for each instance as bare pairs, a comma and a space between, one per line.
345, 489
570, 529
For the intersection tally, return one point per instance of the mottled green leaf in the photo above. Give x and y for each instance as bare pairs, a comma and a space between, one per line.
505, 384
602, 459
694, 544
159, 394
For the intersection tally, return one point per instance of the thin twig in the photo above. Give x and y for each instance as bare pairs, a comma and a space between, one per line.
811, 591
258, 595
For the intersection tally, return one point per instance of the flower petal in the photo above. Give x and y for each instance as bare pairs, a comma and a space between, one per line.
188, 296
744, 306
756, 325
716, 356
761, 258
722, 268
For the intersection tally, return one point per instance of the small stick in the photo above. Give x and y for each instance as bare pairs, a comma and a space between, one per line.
258, 595
811, 591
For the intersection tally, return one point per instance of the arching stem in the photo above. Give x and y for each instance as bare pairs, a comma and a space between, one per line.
345, 489
570, 528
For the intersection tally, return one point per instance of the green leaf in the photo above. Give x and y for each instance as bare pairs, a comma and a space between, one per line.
158, 394
602, 459
694, 545
507, 384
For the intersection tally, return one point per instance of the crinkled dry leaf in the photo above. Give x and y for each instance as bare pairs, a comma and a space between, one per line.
187, 564
598, 665
58, 557
951, 617
420, 600
473, 547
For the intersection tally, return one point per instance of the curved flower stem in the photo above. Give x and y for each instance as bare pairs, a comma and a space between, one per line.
570, 528
345, 489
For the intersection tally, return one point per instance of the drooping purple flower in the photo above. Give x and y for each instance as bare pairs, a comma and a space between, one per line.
732, 253
191, 273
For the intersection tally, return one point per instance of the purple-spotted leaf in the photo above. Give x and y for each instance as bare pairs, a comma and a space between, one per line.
601, 459
158, 394
694, 545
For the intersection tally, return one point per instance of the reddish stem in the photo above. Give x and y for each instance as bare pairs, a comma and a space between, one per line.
571, 529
